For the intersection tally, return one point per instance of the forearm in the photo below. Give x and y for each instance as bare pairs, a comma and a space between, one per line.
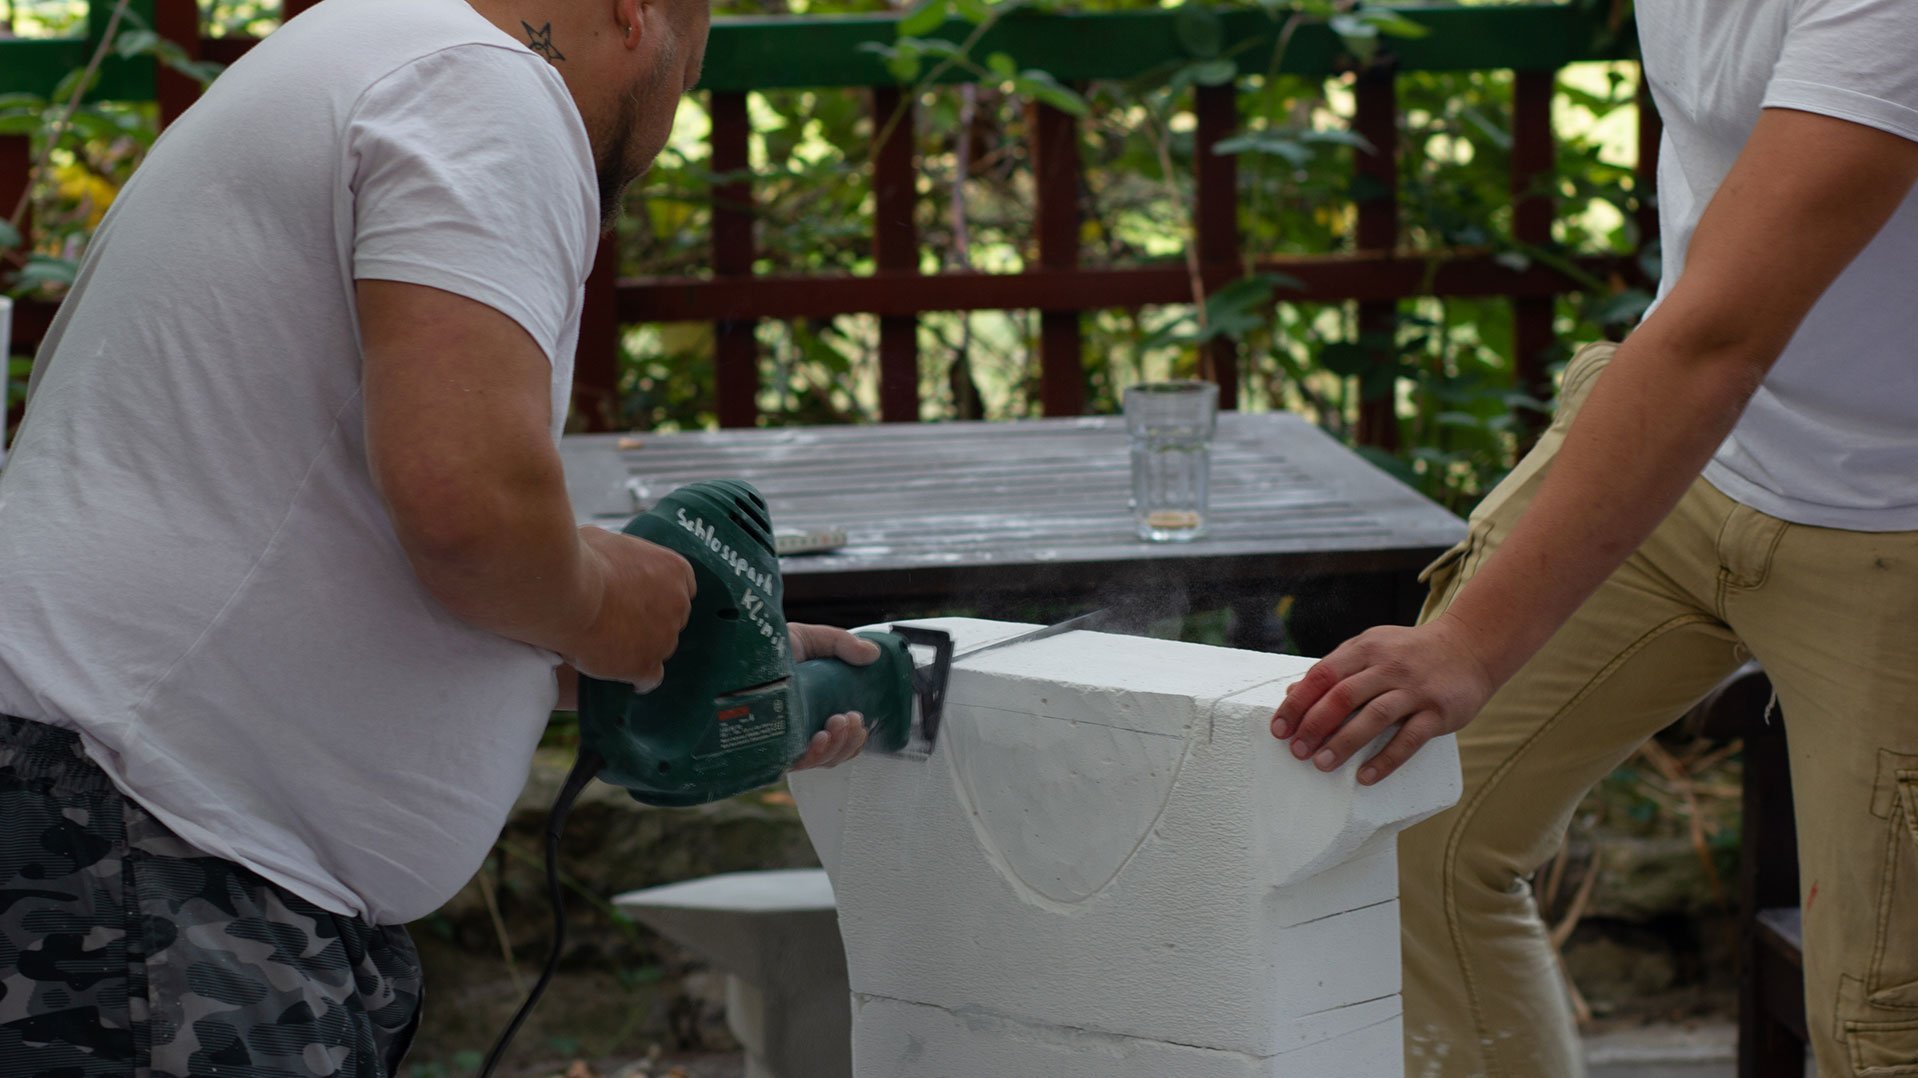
1665, 403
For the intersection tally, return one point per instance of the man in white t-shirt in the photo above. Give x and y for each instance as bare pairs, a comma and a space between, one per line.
288, 563
1606, 584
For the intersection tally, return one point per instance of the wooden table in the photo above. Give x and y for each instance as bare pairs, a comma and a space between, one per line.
1018, 517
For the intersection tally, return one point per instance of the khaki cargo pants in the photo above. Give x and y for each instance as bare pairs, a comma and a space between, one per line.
1833, 618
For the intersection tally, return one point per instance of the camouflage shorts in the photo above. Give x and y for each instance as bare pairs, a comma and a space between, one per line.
125, 952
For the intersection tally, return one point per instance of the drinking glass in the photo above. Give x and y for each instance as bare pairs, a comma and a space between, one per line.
1170, 425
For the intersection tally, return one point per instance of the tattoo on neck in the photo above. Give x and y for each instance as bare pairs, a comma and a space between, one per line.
541, 41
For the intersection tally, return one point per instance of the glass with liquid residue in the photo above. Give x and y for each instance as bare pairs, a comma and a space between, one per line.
1170, 426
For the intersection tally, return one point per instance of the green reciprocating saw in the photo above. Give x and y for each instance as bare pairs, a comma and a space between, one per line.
734, 711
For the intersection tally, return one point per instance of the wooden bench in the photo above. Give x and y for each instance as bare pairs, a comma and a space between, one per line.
1771, 996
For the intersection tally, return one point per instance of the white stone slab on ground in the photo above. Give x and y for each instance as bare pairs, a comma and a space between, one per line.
774, 933
1107, 866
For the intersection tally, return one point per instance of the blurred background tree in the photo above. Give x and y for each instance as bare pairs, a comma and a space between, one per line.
1452, 379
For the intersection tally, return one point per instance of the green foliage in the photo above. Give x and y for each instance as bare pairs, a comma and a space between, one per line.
1447, 363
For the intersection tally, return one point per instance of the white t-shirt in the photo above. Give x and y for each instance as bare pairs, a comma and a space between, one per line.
1831, 438
195, 570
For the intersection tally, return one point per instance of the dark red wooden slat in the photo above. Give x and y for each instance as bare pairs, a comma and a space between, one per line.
735, 349
1533, 154
225, 50
1326, 279
177, 21
1056, 172
895, 245
596, 356
1220, 261
1377, 121
290, 8
16, 165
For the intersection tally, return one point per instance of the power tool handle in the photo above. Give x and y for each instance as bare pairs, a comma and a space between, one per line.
880, 691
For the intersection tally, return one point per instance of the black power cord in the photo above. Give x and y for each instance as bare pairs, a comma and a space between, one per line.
587, 766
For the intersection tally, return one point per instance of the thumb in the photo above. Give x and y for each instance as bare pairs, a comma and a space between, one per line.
822, 641
856, 650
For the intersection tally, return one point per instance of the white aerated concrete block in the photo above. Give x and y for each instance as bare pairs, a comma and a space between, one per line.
1107, 866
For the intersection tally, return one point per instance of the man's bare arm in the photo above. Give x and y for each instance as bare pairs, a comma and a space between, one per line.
458, 414
1804, 198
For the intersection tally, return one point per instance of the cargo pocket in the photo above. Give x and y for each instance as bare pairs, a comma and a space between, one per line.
1883, 1049
1893, 980
1501, 507
1583, 370
1443, 577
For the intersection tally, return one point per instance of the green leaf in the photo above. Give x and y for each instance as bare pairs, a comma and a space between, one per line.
10, 236
1204, 73
902, 60
64, 89
31, 102
132, 43
43, 270
93, 125
20, 123
922, 18
1266, 142
976, 12
1338, 136
1041, 86
936, 46
1199, 29
1393, 24
1620, 309
1353, 26
1179, 331
1243, 293
1360, 37
1492, 132
1214, 72
1002, 65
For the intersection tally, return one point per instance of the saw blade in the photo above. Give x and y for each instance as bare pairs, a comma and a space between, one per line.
1070, 625
929, 681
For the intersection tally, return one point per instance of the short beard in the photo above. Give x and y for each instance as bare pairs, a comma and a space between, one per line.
612, 176
614, 172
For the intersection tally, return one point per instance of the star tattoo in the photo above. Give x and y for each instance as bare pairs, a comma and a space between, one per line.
541, 41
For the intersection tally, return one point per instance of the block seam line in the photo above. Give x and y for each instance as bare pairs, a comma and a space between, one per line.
1342, 913
962, 1013
1080, 722
1349, 1006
